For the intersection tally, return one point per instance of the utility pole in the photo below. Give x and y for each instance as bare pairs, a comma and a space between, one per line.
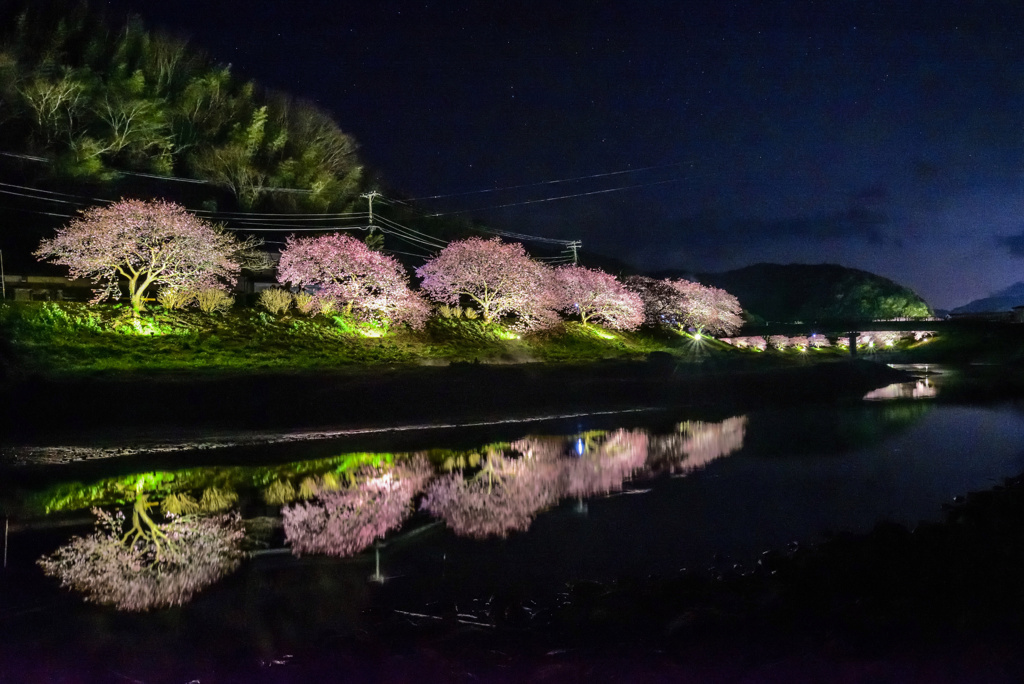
574, 245
3, 280
370, 196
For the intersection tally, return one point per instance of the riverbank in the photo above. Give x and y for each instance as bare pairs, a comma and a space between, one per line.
51, 410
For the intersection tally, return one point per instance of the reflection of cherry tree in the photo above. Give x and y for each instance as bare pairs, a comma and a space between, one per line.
696, 443
603, 467
505, 495
346, 521
154, 564
516, 483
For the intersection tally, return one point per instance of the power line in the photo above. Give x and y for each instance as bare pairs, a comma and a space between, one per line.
560, 197
395, 251
395, 226
36, 211
290, 229
549, 182
180, 179
60, 194
273, 214
41, 199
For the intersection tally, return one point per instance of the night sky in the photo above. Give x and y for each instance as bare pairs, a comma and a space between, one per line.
882, 135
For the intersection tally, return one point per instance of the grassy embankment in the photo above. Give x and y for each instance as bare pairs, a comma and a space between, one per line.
979, 343
72, 339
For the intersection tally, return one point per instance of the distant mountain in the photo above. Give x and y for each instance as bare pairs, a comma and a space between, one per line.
805, 292
1003, 300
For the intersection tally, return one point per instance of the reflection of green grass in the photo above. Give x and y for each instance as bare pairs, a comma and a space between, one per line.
159, 484
231, 480
61, 338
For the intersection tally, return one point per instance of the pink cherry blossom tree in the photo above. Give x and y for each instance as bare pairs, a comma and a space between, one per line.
660, 299
146, 244
683, 303
340, 269
707, 309
344, 522
593, 294
500, 278
818, 341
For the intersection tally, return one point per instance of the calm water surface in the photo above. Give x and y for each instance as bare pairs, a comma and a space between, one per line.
330, 537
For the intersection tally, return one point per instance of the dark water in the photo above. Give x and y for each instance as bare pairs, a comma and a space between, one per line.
518, 514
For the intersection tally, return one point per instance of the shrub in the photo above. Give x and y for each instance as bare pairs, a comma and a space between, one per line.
211, 299
304, 302
327, 306
174, 298
471, 314
276, 300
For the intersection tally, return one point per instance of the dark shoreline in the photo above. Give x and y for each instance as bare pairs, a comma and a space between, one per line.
53, 410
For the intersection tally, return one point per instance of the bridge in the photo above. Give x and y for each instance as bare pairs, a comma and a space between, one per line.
852, 327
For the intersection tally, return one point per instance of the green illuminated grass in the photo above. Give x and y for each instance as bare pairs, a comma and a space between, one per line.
69, 338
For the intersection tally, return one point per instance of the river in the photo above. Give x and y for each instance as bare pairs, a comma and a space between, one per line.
333, 536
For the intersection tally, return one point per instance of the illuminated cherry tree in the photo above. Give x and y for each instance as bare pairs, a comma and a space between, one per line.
595, 295
340, 269
344, 522
153, 565
707, 309
500, 278
754, 342
504, 496
147, 244
660, 299
683, 303
800, 341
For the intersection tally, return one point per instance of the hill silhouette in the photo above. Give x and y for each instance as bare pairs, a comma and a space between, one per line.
808, 292
1003, 300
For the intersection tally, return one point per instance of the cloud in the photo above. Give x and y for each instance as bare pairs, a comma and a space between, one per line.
854, 223
1013, 244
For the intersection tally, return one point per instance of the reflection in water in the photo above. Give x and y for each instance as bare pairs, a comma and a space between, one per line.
341, 506
507, 492
342, 522
606, 466
696, 443
919, 389
153, 565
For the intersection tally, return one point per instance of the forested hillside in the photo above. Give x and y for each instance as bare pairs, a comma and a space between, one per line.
96, 100
803, 292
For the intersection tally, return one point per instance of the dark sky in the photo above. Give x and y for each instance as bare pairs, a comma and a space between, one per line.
881, 135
